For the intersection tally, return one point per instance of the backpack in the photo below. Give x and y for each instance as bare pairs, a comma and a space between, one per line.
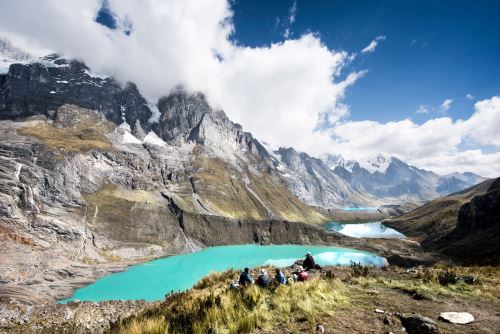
303, 276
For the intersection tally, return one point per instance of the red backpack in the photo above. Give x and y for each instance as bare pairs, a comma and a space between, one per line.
303, 276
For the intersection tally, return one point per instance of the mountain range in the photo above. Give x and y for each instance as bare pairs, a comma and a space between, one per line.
39, 87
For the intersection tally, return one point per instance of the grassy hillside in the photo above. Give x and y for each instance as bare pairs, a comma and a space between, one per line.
464, 225
247, 194
337, 298
438, 217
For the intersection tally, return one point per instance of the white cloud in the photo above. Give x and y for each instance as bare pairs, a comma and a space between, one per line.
423, 109
435, 144
483, 127
469, 97
446, 105
427, 109
293, 13
373, 44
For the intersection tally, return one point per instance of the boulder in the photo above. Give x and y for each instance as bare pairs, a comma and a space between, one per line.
417, 324
457, 317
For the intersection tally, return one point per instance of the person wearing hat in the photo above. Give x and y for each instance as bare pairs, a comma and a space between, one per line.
263, 279
309, 262
302, 275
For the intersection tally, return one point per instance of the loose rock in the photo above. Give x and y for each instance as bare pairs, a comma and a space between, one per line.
417, 324
457, 317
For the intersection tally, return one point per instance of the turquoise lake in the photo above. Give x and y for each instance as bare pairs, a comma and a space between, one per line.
364, 230
366, 208
152, 280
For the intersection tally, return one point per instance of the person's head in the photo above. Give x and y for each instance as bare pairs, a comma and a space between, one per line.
247, 270
277, 271
263, 272
308, 254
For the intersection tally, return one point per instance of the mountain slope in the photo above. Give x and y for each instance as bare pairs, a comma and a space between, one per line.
464, 225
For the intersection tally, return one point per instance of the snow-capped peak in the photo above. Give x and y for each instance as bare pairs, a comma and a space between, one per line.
377, 164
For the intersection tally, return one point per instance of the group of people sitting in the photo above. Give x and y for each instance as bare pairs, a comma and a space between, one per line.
264, 280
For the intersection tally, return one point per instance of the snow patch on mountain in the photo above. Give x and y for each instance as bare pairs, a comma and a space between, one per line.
379, 163
155, 117
152, 138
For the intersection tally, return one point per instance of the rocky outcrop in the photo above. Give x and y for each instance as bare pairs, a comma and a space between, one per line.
224, 138
417, 324
41, 88
180, 112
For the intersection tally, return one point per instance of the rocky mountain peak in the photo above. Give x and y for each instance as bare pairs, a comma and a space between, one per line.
180, 112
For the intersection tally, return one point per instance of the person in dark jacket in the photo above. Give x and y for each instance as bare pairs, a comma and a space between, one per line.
245, 278
309, 262
263, 279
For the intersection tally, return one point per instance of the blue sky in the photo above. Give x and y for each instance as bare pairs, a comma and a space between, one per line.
433, 51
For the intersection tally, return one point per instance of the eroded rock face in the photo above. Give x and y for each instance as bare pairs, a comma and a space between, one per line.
180, 112
38, 88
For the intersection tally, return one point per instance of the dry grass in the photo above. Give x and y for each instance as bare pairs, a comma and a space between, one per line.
425, 282
211, 307
83, 131
227, 195
146, 326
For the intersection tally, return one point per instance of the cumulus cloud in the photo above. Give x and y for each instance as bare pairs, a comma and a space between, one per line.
373, 44
434, 145
469, 97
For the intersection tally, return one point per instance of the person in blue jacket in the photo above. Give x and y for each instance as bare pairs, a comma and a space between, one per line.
245, 278
280, 277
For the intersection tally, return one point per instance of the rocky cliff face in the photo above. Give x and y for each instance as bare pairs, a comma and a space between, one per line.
316, 184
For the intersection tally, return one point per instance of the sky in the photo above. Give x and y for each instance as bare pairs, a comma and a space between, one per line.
418, 80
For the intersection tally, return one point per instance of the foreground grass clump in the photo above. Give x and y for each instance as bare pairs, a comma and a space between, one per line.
211, 307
